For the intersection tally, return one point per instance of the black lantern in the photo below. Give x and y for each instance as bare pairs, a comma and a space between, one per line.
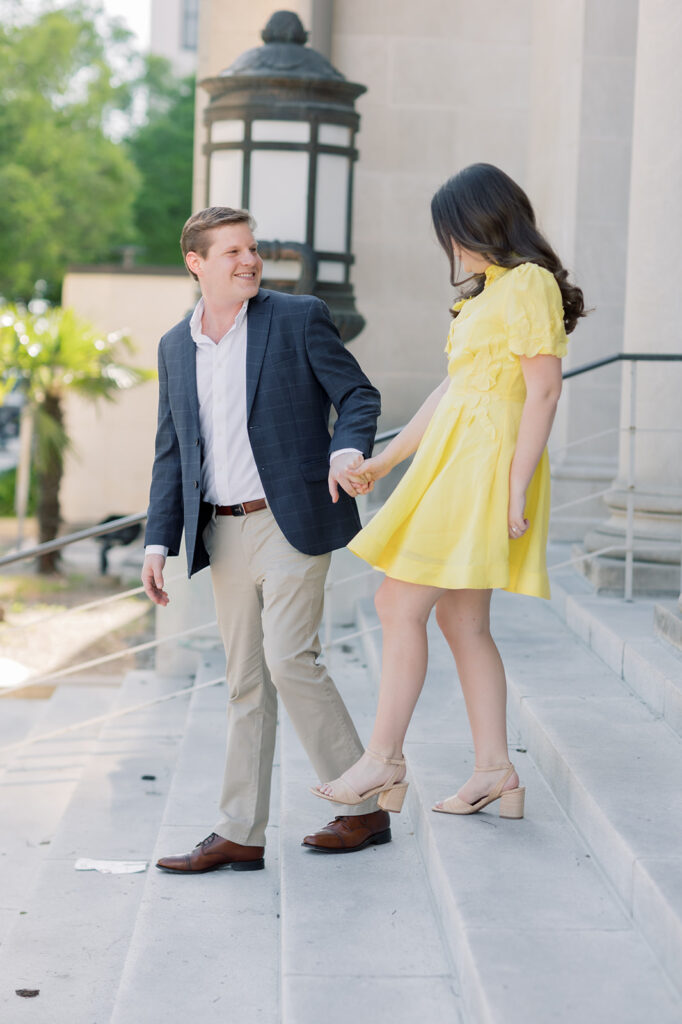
281, 143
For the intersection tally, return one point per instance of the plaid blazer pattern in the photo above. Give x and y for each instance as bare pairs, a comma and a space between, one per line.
296, 369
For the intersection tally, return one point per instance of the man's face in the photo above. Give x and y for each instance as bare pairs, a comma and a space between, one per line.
231, 271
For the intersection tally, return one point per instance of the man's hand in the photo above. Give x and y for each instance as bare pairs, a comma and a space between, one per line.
339, 475
152, 579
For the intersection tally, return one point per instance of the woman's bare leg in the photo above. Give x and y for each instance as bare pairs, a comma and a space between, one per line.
464, 619
403, 609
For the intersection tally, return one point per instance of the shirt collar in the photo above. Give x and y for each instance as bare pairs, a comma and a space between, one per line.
195, 321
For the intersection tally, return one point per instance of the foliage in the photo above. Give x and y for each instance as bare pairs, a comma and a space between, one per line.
67, 188
162, 151
8, 481
51, 351
46, 353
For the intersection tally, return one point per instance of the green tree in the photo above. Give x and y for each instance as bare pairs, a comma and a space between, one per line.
46, 354
162, 151
67, 188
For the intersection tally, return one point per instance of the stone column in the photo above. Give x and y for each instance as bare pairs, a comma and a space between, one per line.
583, 62
653, 317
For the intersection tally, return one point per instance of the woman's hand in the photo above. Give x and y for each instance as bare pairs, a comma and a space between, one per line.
517, 523
366, 471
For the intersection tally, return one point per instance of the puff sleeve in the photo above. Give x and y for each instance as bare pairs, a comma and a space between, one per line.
535, 315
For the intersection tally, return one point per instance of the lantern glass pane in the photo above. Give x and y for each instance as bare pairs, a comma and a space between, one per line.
279, 194
280, 131
331, 203
227, 131
334, 135
328, 271
226, 178
284, 270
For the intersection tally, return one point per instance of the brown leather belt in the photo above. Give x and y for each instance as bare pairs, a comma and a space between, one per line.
242, 508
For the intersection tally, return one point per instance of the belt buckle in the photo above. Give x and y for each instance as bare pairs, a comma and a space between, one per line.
238, 510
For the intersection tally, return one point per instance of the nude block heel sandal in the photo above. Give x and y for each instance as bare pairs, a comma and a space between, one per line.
392, 799
391, 795
511, 800
511, 803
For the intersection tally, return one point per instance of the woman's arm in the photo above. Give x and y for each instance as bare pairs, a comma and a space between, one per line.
405, 443
543, 387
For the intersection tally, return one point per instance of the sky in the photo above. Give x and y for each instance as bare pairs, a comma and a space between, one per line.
136, 14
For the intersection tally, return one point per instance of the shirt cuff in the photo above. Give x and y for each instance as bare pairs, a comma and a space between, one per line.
344, 451
156, 549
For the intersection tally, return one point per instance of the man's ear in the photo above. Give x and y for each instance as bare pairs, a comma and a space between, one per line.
193, 262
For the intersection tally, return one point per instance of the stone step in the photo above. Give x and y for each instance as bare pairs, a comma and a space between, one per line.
622, 634
207, 946
72, 939
536, 929
37, 782
361, 939
17, 717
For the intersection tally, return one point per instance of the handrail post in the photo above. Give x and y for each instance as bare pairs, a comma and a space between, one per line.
681, 570
630, 523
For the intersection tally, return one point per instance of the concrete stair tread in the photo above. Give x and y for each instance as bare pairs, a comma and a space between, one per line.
36, 784
71, 941
17, 717
539, 878
360, 935
207, 944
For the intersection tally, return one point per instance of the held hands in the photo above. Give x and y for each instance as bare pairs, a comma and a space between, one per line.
340, 475
516, 521
152, 579
365, 471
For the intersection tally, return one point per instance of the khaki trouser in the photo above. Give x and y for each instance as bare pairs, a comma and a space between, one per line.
269, 600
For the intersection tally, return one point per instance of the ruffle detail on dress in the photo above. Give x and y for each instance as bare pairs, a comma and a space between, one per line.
494, 271
482, 378
551, 342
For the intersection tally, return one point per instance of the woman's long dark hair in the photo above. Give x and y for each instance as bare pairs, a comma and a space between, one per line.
484, 211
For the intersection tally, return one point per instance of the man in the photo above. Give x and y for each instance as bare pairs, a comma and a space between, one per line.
245, 463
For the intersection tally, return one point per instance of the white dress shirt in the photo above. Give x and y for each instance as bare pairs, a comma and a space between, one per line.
228, 469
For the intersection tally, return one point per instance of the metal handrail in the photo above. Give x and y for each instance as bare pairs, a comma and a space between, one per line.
71, 538
386, 435
625, 357
113, 525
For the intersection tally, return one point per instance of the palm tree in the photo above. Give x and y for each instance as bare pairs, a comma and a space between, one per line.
45, 353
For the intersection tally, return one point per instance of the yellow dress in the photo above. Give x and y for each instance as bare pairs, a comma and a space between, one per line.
445, 524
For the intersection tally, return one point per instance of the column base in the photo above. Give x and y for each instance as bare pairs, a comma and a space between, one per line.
656, 542
607, 574
573, 479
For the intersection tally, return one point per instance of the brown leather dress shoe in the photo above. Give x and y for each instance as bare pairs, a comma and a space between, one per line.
348, 833
212, 853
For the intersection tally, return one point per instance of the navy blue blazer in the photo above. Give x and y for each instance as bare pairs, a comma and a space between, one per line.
296, 368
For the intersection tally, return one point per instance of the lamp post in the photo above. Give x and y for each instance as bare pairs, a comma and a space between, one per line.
281, 126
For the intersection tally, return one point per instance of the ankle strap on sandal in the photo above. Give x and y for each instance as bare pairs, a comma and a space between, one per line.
493, 767
399, 761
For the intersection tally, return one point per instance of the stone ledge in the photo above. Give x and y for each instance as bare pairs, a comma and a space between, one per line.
668, 622
622, 635
607, 575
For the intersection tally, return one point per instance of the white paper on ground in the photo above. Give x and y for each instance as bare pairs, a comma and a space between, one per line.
111, 867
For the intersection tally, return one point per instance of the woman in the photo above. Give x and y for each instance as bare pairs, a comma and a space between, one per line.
471, 513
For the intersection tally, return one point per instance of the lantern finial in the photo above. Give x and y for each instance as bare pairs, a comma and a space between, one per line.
285, 27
